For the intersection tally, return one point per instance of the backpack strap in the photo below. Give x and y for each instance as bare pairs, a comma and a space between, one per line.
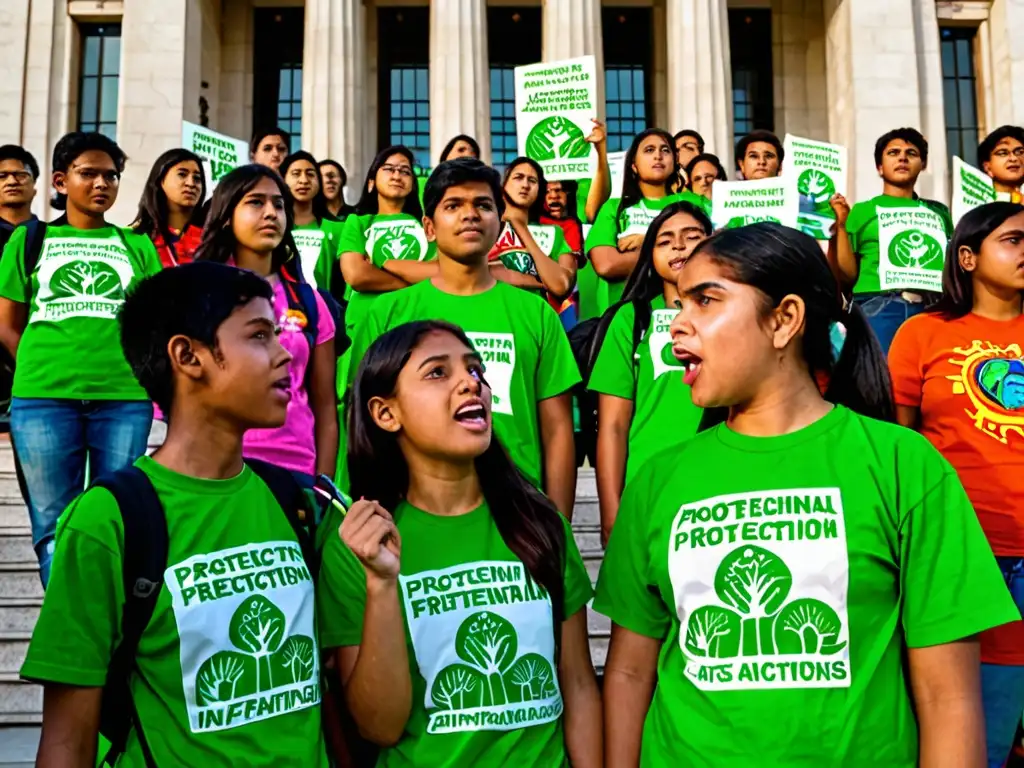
302, 297
35, 235
641, 322
144, 560
301, 513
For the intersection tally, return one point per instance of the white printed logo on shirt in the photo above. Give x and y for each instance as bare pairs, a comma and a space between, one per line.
403, 239
660, 343
498, 352
761, 583
309, 242
484, 643
636, 219
81, 277
911, 249
246, 634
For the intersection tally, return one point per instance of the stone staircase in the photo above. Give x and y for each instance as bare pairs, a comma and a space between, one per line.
21, 597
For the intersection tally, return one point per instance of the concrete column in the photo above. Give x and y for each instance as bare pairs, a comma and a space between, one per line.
335, 88
460, 83
572, 28
235, 97
14, 34
798, 68
1005, 85
699, 73
884, 72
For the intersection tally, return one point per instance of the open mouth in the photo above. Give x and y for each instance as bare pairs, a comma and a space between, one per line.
676, 263
690, 362
282, 387
472, 415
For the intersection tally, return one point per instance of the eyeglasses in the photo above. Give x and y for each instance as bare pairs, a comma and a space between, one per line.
1005, 153
21, 177
402, 170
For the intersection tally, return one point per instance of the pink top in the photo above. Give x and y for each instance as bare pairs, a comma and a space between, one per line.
292, 445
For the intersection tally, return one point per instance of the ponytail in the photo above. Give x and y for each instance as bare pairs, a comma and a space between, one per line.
859, 378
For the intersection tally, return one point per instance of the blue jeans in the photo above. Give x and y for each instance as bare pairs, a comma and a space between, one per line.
1002, 686
55, 438
886, 314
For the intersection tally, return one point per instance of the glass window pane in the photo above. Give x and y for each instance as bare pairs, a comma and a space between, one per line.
963, 58
408, 83
950, 103
297, 82
108, 100
109, 130
948, 63
284, 88
91, 56
396, 82
967, 111
89, 108
111, 55
422, 83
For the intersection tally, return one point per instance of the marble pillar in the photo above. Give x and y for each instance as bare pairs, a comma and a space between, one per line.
1002, 70
460, 83
699, 72
335, 90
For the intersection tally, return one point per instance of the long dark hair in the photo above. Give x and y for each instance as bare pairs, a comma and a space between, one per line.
537, 209
368, 201
153, 207
218, 242
957, 283
455, 140
779, 261
528, 523
320, 209
631, 194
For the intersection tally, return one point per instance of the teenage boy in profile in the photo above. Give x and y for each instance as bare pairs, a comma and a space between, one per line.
529, 363
1001, 156
889, 296
759, 155
227, 669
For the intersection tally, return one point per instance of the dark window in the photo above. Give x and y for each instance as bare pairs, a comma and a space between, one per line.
277, 71
98, 82
959, 89
513, 39
628, 42
404, 80
750, 44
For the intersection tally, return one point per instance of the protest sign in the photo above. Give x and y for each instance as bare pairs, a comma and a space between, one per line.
971, 188
617, 171
911, 249
555, 102
738, 203
818, 169
220, 154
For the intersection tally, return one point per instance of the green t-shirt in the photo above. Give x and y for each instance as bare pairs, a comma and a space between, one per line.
228, 669
509, 248
802, 566
480, 638
381, 237
525, 352
318, 249
863, 229
650, 376
610, 226
71, 347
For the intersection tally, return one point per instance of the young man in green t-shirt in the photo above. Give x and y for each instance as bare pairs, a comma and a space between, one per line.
890, 250
227, 670
529, 363
759, 155
75, 402
1001, 156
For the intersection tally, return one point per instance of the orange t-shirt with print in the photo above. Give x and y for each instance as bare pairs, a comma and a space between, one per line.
966, 376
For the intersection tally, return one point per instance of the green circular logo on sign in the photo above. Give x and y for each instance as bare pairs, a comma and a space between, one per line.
742, 221
519, 261
556, 138
816, 186
667, 357
83, 278
913, 249
398, 244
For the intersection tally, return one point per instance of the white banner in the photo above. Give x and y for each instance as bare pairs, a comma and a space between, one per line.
911, 249
555, 103
738, 203
971, 188
819, 171
220, 154
617, 171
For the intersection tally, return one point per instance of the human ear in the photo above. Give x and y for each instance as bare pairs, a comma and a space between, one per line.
385, 415
787, 320
184, 359
968, 259
428, 229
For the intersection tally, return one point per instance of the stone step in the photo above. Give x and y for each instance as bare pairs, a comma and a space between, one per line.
18, 746
16, 546
13, 512
588, 537
592, 560
586, 513
19, 614
13, 647
9, 487
598, 653
20, 702
20, 580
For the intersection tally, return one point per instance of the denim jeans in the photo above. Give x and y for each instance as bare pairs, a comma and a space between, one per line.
1002, 686
55, 438
886, 314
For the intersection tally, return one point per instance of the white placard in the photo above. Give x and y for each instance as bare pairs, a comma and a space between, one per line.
971, 188
738, 203
220, 154
819, 171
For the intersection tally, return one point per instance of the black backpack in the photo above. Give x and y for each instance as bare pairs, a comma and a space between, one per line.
35, 234
144, 562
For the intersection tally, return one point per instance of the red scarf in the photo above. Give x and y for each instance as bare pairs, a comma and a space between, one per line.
181, 250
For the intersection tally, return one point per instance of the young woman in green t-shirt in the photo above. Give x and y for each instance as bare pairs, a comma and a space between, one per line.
527, 263
454, 597
317, 233
803, 582
644, 407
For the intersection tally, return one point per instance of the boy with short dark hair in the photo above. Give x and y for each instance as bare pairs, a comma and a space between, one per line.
529, 363
19, 173
61, 286
759, 155
270, 147
890, 250
1001, 156
689, 144
227, 669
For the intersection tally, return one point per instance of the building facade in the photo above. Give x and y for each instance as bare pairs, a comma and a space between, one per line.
347, 77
